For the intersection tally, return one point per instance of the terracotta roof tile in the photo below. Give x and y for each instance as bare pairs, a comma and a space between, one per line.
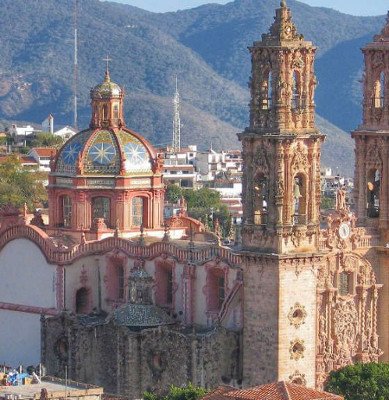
44, 151
271, 391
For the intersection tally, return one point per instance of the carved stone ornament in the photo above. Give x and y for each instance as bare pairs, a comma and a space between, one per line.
296, 349
373, 155
300, 160
345, 329
298, 378
157, 363
261, 160
297, 315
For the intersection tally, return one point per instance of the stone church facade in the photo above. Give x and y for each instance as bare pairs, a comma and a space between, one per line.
109, 293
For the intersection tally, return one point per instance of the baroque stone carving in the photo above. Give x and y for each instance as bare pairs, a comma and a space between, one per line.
298, 378
297, 315
296, 349
345, 329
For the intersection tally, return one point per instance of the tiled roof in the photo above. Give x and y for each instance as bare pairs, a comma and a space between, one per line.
272, 391
44, 151
141, 315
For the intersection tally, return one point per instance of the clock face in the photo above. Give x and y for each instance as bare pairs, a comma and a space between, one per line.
344, 230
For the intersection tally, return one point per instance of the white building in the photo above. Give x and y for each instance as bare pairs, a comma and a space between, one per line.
179, 167
42, 155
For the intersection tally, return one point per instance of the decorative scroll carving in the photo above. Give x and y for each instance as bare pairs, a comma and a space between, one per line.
296, 349
345, 330
298, 378
297, 315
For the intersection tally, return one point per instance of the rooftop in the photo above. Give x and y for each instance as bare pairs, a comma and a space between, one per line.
272, 391
55, 387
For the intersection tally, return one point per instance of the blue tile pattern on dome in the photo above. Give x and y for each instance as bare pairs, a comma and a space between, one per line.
102, 153
102, 156
67, 159
70, 153
136, 154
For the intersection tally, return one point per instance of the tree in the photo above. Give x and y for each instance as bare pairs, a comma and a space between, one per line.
361, 382
46, 139
205, 205
189, 392
19, 186
173, 193
327, 203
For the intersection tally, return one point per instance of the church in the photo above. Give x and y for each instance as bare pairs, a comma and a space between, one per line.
110, 294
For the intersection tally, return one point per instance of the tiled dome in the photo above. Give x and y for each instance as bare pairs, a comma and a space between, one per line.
106, 89
105, 152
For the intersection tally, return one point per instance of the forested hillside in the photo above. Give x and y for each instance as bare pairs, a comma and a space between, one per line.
206, 47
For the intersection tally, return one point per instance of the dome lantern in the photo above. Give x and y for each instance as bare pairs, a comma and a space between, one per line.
107, 104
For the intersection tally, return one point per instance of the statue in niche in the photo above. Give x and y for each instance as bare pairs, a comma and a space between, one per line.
341, 199
297, 194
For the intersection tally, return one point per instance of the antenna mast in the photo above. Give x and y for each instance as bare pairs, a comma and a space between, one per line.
75, 72
176, 121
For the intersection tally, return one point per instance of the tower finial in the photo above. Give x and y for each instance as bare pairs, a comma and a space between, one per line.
107, 60
283, 3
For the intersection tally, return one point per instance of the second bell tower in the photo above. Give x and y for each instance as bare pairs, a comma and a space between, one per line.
281, 148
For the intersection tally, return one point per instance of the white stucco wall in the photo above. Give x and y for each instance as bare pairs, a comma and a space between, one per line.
25, 276
20, 338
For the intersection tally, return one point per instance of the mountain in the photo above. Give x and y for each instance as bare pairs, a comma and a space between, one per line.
206, 47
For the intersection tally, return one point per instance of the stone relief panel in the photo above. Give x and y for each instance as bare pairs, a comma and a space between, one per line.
347, 300
297, 315
297, 349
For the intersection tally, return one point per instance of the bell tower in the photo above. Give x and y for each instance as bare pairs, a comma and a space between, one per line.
281, 207
281, 148
371, 189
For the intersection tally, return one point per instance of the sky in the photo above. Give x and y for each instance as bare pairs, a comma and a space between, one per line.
355, 7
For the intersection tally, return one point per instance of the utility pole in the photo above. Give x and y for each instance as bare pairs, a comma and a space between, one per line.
75, 72
176, 145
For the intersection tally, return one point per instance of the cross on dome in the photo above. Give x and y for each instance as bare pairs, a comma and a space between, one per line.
107, 60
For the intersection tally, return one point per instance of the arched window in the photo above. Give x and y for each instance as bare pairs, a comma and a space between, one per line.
296, 90
66, 207
120, 281
116, 111
299, 199
379, 91
216, 284
266, 92
105, 112
82, 301
137, 211
373, 193
165, 282
261, 198
101, 208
